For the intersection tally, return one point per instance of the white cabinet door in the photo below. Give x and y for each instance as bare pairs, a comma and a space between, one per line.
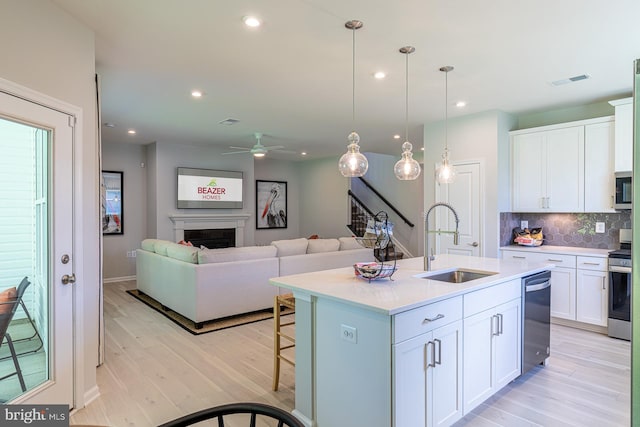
507, 348
528, 177
598, 167
478, 379
563, 293
624, 135
565, 169
445, 402
428, 378
410, 381
592, 293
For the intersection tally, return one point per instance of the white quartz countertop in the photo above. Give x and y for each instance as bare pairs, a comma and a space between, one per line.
566, 250
405, 291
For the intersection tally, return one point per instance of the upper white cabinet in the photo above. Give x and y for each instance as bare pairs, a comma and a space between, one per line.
624, 134
563, 168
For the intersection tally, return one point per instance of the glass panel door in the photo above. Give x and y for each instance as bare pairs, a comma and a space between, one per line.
36, 226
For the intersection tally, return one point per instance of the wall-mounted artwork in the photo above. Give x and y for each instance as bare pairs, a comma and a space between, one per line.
271, 204
112, 221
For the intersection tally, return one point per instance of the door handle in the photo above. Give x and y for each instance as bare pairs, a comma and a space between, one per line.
431, 364
497, 332
500, 324
66, 279
438, 361
474, 244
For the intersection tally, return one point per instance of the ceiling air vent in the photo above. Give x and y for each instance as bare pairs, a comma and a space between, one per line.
570, 80
229, 122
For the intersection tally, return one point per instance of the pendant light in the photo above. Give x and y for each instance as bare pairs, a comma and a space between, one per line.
353, 164
445, 173
407, 168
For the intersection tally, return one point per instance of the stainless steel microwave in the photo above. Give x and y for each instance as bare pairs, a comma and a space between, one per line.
623, 190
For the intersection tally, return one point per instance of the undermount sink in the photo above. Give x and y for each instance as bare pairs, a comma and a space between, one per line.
457, 275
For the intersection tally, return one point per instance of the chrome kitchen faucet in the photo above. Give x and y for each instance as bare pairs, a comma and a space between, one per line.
430, 257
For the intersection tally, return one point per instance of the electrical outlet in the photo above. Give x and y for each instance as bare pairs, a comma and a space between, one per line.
128, 254
524, 224
349, 333
599, 227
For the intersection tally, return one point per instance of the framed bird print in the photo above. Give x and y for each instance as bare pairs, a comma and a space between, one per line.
271, 204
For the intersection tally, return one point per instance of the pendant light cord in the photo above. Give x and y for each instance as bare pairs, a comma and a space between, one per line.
353, 82
406, 109
446, 111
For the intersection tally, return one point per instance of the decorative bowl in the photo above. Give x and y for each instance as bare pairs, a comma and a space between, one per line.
373, 270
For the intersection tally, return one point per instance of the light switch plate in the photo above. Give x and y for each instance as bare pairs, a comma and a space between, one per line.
599, 227
524, 224
349, 333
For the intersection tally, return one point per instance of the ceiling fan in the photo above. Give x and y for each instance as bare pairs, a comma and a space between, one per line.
258, 150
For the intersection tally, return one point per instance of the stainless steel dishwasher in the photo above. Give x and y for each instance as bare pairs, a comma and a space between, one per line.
536, 319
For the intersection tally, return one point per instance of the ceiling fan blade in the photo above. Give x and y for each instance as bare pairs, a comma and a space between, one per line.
237, 152
240, 148
273, 147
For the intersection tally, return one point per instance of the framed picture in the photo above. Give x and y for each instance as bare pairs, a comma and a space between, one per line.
271, 204
111, 201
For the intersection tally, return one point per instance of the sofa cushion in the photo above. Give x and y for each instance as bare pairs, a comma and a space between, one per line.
208, 256
349, 243
149, 244
7, 296
183, 253
322, 245
291, 246
160, 247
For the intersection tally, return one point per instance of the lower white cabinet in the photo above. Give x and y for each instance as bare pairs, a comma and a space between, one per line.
579, 284
427, 378
492, 351
592, 291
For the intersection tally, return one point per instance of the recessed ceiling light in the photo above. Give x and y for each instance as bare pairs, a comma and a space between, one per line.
304, 153
131, 131
251, 21
379, 75
396, 136
461, 104
196, 93
422, 148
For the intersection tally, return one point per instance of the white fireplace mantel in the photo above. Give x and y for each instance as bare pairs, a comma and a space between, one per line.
183, 222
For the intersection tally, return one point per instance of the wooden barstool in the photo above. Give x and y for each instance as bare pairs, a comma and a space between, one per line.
286, 300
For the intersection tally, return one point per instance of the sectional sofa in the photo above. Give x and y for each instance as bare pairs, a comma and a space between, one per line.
205, 284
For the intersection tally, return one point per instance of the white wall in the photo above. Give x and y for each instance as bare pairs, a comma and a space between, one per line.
481, 137
47, 50
323, 199
126, 158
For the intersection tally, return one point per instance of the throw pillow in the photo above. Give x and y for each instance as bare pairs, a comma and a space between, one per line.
149, 244
323, 245
349, 243
183, 253
7, 296
291, 246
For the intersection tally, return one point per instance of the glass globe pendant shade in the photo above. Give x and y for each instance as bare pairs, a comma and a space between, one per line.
445, 174
407, 168
353, 164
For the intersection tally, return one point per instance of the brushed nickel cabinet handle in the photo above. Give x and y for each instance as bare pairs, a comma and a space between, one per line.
433, 319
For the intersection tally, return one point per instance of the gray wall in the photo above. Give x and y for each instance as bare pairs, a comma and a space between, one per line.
569, 114
126, 158
45, 49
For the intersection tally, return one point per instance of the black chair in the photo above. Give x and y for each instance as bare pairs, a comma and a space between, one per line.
6, 315
253, 409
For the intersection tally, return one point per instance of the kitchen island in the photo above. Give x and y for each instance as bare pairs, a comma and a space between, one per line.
390, 352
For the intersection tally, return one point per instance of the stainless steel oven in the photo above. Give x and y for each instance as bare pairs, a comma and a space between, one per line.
620, 288
623, 190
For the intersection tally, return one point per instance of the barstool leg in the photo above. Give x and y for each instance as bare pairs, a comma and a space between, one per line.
276, 343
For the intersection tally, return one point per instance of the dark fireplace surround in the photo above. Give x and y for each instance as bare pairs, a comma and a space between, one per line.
212, 238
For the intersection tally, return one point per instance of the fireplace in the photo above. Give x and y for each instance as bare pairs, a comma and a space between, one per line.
184, 223
212, 238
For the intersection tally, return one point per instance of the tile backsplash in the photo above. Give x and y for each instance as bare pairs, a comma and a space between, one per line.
569, 229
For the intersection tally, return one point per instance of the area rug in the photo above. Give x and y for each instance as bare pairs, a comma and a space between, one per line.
211, 325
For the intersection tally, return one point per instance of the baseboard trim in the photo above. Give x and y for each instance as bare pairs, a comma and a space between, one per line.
579, 325
299, 415
92, 394
118, 279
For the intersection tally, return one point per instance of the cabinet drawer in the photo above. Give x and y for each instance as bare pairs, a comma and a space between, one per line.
426, 318
484, 299
592, 263
560, 260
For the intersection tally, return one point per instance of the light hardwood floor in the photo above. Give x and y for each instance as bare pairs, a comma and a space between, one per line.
155, 371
